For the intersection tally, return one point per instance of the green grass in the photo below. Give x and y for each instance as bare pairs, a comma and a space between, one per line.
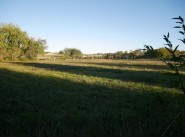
96, 98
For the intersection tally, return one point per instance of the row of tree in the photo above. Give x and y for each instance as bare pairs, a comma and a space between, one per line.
124, 55
15, 44
161, 53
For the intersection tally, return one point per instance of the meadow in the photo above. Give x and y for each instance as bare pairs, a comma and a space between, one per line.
90, 98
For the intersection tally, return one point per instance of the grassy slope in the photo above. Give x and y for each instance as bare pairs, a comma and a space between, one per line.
89, 99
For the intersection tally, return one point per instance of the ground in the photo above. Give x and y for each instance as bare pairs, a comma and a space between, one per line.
90, 98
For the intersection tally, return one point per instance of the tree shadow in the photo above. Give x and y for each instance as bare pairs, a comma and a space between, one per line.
47, 106
162, 79
125, 64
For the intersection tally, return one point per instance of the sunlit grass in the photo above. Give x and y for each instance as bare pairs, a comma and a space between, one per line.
88, 98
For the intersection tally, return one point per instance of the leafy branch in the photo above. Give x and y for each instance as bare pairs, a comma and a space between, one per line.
177, 61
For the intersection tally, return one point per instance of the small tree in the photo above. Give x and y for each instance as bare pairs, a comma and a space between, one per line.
150, 52
118, 55
72, 53
136, 54
61, 52
109, 56
162, 53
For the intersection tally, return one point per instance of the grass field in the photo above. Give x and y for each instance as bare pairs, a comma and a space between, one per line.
96, 98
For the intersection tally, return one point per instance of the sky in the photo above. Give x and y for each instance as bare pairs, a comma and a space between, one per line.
96, 26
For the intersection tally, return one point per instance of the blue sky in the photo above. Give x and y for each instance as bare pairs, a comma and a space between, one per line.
96, 26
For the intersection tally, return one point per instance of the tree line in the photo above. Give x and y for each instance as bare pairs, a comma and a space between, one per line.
160, 53
16, 44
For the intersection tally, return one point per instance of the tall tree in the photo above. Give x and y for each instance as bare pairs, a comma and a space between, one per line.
15, 43
12, 39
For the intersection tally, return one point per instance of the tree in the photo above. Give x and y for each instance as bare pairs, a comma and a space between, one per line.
126, 55
109, 56
33, 48
118, 55
150, 52
15, 44
72, 53
136, 54
163, 53
12, 39
61, 52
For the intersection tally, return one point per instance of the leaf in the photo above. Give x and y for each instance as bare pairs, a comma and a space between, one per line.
179, 22
180, 18
166, 39
175, 48
181, 32
169, 50
176, 18
183, 40
183, 26
170, 45
151, 48
148, 47
171, 66
145, 46
177, 27
168, 35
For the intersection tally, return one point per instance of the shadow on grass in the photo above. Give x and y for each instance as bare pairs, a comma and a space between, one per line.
168, 80
126, 64
44, 106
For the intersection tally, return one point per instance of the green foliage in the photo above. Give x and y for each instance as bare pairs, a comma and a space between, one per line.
72, 53
12, 39
172, 52
61, 52
125, 55
109, 56
136, 54
34, 48
163, 53
149, 52
15, 44
118, 55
